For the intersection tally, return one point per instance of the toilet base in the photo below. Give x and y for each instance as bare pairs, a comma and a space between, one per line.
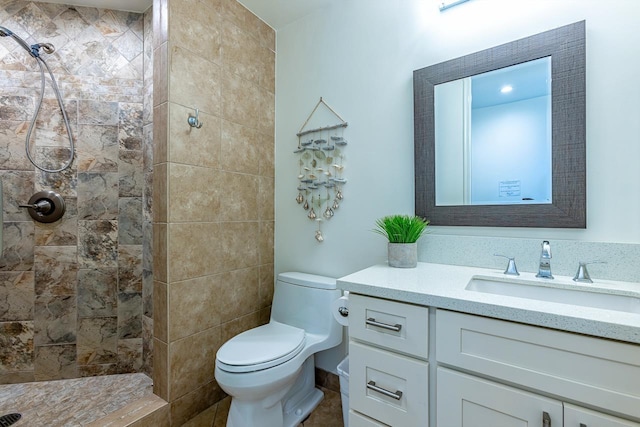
303, 409
287, 406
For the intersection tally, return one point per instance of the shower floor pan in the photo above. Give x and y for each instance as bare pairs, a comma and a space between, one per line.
73, 402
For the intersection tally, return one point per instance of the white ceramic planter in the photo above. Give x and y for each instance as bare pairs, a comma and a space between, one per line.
403, 255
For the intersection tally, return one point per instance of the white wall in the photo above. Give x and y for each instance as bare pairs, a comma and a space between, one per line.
359, 56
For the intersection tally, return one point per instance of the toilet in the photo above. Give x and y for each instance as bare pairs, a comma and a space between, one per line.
269, 371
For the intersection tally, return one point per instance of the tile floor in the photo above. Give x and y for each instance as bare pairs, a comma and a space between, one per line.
86, 401
74, 402
327, 414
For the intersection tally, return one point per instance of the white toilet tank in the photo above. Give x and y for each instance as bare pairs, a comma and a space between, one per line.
304, 301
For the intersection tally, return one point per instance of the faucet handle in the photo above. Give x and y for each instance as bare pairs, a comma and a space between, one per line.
582, 275
511, 269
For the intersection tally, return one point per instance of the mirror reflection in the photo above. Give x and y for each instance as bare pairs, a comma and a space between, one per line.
493, 137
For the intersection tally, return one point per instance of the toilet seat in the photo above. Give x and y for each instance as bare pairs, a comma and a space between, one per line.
261, 348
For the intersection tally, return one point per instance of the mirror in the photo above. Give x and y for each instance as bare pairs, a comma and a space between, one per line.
493, 137
445, 173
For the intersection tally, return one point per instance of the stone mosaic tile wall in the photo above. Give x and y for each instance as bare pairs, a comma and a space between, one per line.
71, 292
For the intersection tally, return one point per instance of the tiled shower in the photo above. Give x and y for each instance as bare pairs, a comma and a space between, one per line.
75, 295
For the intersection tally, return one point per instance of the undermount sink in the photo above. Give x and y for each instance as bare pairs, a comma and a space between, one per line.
547, 292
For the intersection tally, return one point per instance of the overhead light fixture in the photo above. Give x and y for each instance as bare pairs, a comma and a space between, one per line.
506, 89
446, 4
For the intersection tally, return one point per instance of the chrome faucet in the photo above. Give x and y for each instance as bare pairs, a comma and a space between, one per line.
544, 270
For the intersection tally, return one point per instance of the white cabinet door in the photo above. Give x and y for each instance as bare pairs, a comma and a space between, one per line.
467, 401
575, 416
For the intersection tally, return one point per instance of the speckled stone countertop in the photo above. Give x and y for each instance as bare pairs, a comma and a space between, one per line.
444, 286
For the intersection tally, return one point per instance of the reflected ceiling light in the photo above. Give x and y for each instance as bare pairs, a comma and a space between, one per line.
446, 4
506, 89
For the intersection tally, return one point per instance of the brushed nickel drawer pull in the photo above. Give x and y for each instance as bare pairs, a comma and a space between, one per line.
395, 328
546, 419
371, 385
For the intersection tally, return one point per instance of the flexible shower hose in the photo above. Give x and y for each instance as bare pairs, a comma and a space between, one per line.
54, 85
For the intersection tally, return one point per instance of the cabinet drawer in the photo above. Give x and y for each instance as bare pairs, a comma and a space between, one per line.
397, 326
358, 420
575, 416
388, 387
601, 373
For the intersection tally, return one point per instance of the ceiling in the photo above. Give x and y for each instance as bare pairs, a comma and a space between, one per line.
279, 13
276, 13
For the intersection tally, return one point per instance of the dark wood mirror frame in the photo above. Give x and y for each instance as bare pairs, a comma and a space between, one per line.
566, 47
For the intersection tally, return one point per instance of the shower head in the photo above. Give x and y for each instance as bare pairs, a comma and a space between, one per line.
34, 50
46, 47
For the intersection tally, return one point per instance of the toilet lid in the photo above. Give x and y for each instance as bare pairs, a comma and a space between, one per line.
261, 348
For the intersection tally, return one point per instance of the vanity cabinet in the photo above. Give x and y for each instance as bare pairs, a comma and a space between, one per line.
469, 401
388, 378
556, 367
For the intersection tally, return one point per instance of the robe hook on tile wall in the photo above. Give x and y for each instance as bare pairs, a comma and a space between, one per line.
194, 121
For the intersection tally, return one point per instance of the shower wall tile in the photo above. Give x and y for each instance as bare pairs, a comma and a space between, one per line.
129, 315
160, 75
52, 275
130, 221
98, 148
56, 270
15, 185
130, 131
147, 346
160, 367
53, 362
55, 319
97, 292
131, 173
16, 346
129, 268
97, 244
160, 311
17, 293
50, 129
97, 340
97, 195
17, 253
66, 182
97, 113
160, 132
13, 134
129, 355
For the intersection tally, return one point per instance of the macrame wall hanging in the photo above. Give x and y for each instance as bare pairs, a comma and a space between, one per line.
321, 166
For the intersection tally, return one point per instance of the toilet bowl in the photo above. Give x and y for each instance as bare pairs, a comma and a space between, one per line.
269, 371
